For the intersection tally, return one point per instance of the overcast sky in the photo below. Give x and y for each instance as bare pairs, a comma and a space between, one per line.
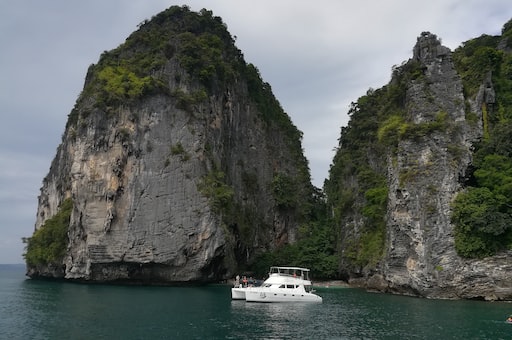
317, 56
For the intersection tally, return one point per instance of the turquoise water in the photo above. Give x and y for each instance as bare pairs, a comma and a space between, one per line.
31, 309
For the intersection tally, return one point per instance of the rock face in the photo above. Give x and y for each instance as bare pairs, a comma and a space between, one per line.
172, 171
421, 257
424, 174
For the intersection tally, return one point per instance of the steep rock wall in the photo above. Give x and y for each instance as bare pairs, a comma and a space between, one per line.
425, 171
424, 177
137, 172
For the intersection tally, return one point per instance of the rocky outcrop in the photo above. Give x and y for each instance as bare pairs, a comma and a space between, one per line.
173, 183
423, 174
420, 255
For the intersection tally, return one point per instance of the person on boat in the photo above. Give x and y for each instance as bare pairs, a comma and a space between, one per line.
244, 280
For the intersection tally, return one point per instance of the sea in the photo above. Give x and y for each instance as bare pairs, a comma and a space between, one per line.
38, 309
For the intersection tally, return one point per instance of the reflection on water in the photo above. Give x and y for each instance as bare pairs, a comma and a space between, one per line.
273, 320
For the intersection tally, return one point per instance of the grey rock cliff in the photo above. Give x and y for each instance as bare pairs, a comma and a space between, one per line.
134, 172
424, 177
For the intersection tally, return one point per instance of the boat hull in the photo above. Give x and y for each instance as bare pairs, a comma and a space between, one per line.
238, 293
258, 295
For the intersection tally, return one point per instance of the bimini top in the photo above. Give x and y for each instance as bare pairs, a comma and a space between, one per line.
290, 271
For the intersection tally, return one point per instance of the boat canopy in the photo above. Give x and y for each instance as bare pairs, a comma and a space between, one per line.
290, 271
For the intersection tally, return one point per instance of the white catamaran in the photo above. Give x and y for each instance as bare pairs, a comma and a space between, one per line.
284, 284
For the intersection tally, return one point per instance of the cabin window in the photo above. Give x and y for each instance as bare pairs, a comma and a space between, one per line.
282, 286
290, 286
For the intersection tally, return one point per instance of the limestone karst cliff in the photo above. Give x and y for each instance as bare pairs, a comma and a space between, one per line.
407, 156
179, 163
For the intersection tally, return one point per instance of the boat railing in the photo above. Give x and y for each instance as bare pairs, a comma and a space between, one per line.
290, 275
296, 273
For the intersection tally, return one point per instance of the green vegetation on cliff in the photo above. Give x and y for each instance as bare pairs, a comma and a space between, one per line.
482, 214
214, 187
48, 244
199, 42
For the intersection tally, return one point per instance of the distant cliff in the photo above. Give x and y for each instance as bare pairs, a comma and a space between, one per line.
177, 163
407, 185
